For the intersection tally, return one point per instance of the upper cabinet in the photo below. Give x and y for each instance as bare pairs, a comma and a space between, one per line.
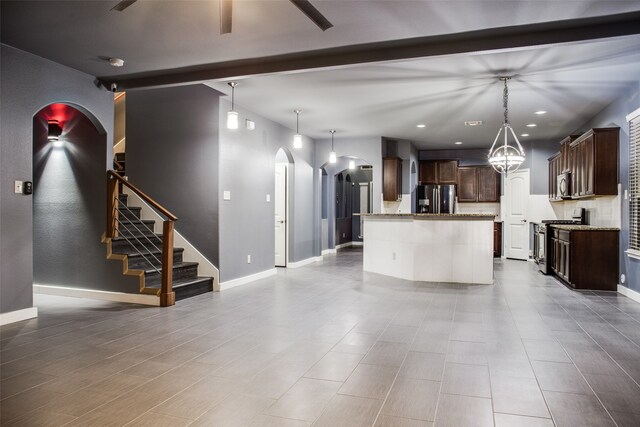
594, 163
438, 171
391, 179
478, 184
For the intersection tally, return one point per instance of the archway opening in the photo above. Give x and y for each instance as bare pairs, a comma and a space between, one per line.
69, 199
282, 200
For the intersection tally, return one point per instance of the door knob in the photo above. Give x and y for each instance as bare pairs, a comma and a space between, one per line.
524, 220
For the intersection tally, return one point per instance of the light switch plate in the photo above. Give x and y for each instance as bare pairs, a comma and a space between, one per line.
268, 197
226, 195
17, 187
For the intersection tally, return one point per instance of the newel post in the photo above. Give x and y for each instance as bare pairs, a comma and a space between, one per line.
112, 207
167, 296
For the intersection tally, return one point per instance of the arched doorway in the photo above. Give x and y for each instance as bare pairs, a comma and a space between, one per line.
69, 199
281, 205
346, 191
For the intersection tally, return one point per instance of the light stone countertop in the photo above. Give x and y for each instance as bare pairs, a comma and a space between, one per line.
578, 227
468, 216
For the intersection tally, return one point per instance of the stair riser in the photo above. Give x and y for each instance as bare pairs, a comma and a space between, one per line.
154, 279
122, 246
193, 290
131, 213
139, 263
139, 233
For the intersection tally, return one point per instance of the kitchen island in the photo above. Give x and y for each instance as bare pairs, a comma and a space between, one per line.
455, 248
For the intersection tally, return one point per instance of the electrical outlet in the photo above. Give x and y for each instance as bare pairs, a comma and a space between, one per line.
393, 256
268, 198
344, 235
248, 259
17, 187
226, 195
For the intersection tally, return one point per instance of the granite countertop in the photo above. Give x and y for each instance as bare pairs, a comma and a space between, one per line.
434, 216
577, 227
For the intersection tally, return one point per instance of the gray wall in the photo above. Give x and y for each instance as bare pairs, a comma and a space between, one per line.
172, 155
365, 151
615, 115
28, 84
247, 162
537, 154
69, 207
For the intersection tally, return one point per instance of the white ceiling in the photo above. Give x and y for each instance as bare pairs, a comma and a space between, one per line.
572, 82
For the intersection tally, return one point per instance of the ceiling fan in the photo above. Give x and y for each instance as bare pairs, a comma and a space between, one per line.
226, 11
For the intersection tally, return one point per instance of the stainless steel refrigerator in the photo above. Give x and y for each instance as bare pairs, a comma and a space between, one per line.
436, 199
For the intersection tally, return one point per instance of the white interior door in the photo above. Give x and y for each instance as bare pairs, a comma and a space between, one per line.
280, 202
516, 186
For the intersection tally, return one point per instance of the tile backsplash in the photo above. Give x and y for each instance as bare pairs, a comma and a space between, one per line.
478, 208
604, 211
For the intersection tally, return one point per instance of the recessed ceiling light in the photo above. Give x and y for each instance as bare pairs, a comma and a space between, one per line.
540, 112
421, 125
473, 123
531, 125
524, 134
458, 143
116, 62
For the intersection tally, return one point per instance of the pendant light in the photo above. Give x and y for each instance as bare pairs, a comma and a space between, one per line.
297, 138
332, 155
232, 115
506, 158
352, 164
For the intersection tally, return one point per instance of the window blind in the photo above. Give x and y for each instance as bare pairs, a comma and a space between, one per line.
634, 181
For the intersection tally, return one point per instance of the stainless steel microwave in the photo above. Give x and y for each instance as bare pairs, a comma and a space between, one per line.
564, 185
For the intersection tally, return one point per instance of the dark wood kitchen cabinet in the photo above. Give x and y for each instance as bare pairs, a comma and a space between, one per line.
558, 164
467, 184
438, 172
391, 179
585, 258
478, 184
593, 159
497, 239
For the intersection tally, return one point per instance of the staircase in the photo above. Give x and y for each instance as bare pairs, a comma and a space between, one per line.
139, 248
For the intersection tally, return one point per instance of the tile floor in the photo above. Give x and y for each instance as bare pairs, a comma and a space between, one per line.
329, 345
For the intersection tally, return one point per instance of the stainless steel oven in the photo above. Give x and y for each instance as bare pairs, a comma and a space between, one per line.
540, 248
543, 237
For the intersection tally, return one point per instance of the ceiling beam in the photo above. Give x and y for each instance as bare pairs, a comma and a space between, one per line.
519, 36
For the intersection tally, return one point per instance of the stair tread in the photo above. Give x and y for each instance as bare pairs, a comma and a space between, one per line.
134, 254
182, 283
175, 265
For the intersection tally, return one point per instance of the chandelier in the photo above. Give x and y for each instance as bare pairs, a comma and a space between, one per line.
506, 158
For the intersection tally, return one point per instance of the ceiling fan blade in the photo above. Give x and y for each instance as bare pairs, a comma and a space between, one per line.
123, 5
312, 13
226, 11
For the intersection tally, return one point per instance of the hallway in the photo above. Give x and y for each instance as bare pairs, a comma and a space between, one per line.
330, 345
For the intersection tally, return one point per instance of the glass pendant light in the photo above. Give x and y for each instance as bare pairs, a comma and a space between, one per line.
297, 138
232, 115
332, 155
506, 158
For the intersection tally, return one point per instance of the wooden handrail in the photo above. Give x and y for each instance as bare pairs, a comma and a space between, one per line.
142, 195
167, 296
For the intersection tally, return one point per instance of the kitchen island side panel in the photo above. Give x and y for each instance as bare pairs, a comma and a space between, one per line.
451, 249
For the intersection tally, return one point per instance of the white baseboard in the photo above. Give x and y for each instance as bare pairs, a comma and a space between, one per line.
329, 251
304, 262
356, 243
95, 294
344, 245
630, 293
18, 315
247, 279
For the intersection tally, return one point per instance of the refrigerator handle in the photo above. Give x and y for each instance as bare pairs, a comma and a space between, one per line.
437, 190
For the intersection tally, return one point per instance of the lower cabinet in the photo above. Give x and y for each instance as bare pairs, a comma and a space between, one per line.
497, 239
585, 258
